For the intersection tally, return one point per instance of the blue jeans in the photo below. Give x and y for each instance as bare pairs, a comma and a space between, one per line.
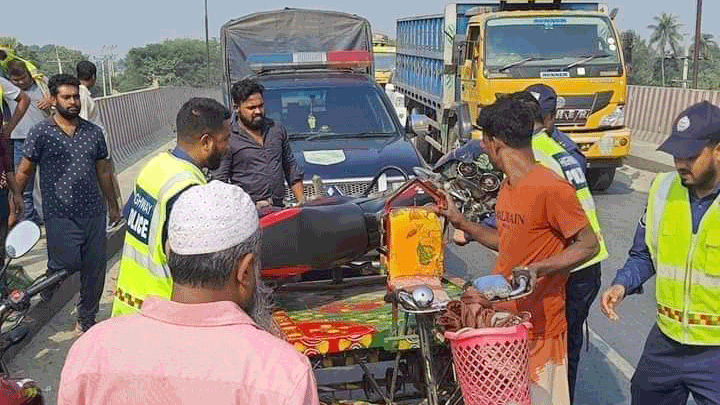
29, 211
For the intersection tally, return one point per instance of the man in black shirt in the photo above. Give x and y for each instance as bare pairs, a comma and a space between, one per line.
260, 159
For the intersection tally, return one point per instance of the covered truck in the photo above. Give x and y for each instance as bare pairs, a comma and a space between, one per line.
474, 52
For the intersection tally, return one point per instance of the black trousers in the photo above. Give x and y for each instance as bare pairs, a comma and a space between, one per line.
581, 289
79, 244
669, 371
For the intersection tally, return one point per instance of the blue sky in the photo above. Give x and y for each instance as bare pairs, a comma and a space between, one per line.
90, 24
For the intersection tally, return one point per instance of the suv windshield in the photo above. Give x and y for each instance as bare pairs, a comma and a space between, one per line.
550, 42
344, 110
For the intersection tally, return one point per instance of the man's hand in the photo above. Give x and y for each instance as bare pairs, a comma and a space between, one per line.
114, 214
16, 208
528, 271
452, 214
45, 103
611, 298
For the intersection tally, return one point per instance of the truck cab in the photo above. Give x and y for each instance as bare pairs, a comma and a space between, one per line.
474, 52
577, 53
318, 75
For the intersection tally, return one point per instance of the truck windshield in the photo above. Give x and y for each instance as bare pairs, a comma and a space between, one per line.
384, 61
334, 111
556, 42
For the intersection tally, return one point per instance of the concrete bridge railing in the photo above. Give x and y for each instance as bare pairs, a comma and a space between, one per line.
131, 119
650, 111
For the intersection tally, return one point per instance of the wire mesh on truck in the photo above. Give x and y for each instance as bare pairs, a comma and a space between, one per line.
491, 364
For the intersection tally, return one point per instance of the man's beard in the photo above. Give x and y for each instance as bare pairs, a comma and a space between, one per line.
255, 123
69, 113
259, 306
705, 180
213, 162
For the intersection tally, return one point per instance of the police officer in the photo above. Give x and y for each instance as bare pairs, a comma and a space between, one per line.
203, 130
678, 239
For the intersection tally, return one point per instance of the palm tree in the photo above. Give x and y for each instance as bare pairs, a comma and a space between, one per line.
707, 42
666, 31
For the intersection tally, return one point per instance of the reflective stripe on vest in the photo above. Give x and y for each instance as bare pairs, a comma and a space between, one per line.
143, 267
552, 155
687, 265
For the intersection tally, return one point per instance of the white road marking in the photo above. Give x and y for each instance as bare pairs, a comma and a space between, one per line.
612, 355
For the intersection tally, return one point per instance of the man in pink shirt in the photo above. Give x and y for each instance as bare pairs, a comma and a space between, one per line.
209, 344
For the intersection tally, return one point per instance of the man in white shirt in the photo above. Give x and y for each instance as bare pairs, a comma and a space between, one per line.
37, 111
87, 74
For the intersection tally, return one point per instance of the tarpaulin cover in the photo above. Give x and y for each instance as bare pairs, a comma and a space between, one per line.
290, 30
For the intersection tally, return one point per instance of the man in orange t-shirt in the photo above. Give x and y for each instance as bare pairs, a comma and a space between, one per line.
542, 229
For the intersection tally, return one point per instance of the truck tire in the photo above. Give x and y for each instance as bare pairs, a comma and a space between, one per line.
600, 179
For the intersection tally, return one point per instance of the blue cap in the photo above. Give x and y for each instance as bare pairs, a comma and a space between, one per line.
546, 96
692, 130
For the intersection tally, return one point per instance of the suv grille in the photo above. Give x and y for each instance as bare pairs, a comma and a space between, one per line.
353, 189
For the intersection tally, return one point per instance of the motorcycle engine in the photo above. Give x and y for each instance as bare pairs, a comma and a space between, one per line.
473, 185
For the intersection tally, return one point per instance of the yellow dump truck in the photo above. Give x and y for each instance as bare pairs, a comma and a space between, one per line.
474, 52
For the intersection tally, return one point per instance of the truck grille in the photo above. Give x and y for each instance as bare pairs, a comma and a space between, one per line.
575, 110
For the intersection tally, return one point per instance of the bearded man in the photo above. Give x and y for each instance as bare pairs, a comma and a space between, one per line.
72, 156
260, 158
203, 131
209, 344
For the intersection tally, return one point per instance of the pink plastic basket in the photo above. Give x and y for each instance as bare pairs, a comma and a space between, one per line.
491, 365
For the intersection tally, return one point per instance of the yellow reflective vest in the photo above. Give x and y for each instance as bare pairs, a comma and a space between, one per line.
552, 155
143, 266
687, 264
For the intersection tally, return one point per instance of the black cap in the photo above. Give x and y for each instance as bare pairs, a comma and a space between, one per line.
692, 130
546, 96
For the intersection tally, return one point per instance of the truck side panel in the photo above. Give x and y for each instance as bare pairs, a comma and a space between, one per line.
425, 55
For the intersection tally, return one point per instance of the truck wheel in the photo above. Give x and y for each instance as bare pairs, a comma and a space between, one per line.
600, 179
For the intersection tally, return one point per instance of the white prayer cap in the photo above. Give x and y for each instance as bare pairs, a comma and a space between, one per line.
211, 218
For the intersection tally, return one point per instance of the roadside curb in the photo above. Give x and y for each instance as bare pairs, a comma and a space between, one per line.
41, 312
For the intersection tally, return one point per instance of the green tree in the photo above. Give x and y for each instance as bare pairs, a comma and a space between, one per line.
707, 43
666, 32
46, 57
175, 62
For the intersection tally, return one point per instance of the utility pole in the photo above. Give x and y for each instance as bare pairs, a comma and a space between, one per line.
57, 56
102, 70
698, 35
207, 44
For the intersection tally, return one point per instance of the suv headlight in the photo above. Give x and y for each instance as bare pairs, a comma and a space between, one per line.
615, 118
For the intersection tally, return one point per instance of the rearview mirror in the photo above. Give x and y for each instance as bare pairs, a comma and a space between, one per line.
614, 13
464, 122
21, 239
420, 124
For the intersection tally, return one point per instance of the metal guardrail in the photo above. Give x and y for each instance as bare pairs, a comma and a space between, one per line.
650, 111
131, 119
